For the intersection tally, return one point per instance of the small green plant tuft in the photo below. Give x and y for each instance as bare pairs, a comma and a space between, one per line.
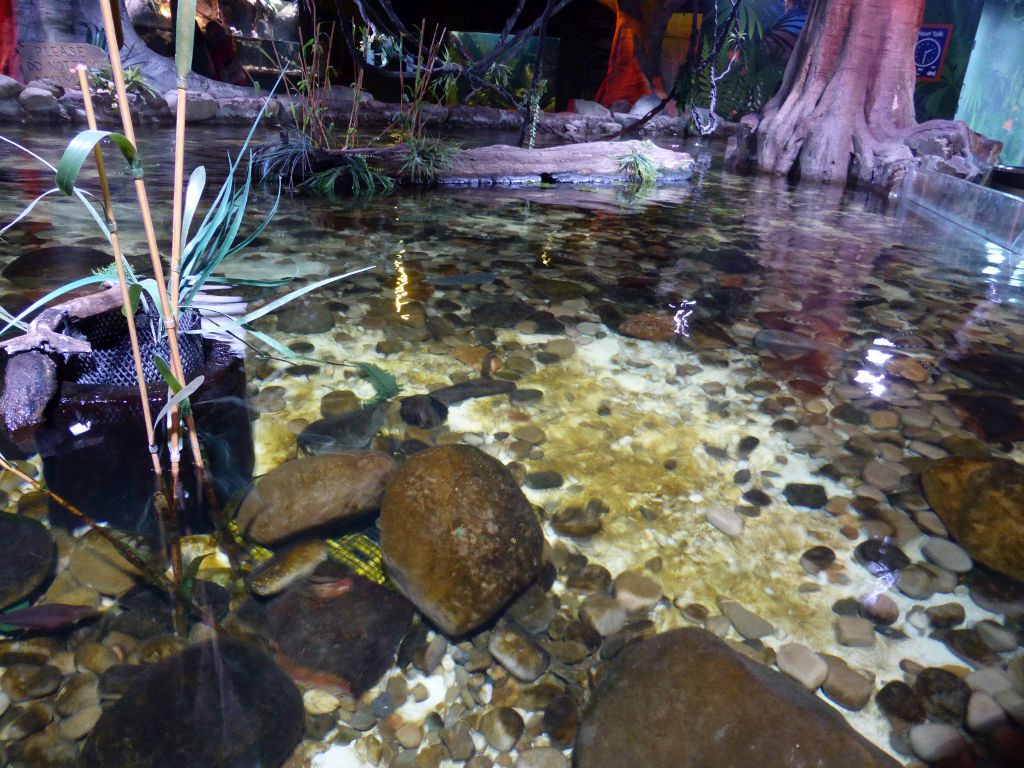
638, 168
365, 181
426, 158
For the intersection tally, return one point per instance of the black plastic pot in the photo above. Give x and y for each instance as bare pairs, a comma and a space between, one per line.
93, 442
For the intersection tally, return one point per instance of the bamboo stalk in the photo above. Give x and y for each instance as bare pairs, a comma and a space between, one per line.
115, 242
169, 319
184, 41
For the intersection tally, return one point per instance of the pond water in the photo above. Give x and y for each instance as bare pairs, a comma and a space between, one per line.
726, 387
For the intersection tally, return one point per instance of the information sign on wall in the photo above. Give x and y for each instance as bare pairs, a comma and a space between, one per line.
57, 61
930, 53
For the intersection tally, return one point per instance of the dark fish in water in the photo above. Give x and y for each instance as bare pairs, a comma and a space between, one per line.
472, 278
47, 617
347, 432
466, 390
789, 343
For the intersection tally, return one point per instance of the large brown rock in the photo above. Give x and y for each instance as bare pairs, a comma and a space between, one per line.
684, 699
315, 491
459, 537
981, 501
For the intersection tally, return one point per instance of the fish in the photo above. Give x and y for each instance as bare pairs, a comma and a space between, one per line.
285, 568
465, 390
347, 432
50, 616
789, 343
472, 278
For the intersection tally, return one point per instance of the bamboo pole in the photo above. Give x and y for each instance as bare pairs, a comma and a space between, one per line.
185, 26
169, 318
115, 242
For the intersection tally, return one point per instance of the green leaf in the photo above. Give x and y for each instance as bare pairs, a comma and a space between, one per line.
185, 37
81, 147
188, 578
164, 369
194, 191
276, 303
134, 295
385, 385
180, 397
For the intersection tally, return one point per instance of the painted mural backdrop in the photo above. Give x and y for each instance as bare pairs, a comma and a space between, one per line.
992, 101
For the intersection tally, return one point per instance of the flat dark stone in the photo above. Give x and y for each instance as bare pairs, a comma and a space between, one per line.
968, 645
27, 556
757, 497
501, 314
747, 444
881, 558
943, 694
543, 480
345, 631
220, 704
898, 701
849, 414
808, 495
522, 396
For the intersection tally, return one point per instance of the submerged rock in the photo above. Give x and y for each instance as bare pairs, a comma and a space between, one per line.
339, 632
27, 556
53, 266
684, 699
220, 704
999, 371
993, 418
458, 535
981, 501
347, 432
423, 411
313, 491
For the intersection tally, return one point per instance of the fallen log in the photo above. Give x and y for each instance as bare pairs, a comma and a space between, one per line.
596, 162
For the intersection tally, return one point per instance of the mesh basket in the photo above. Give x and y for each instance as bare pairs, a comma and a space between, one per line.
111, 362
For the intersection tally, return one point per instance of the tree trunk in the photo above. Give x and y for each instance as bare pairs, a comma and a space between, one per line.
846, 105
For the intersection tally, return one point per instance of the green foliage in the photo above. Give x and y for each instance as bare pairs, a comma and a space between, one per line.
101, 80
533, 109
426, 157
384, 384
364, 180
638, 167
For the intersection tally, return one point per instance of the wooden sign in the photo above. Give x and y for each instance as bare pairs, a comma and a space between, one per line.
57, 61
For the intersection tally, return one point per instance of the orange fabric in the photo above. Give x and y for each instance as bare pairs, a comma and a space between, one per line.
8, 39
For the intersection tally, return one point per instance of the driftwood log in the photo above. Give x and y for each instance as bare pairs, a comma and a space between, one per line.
594, 162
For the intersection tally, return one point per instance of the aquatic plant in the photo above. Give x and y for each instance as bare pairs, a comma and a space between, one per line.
101, 81
638, 167
425, 158
364, 179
